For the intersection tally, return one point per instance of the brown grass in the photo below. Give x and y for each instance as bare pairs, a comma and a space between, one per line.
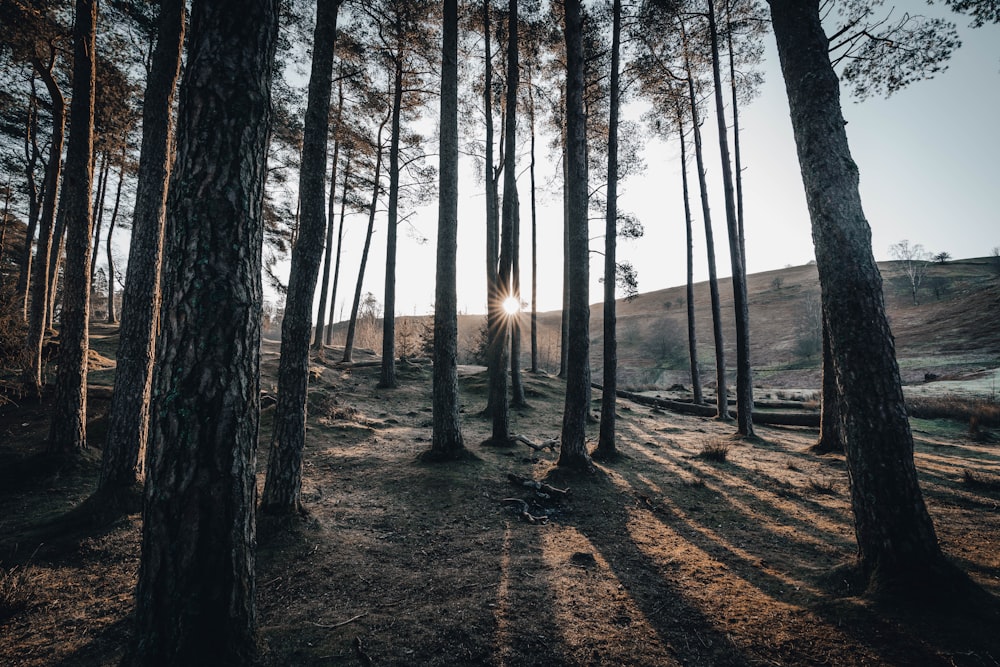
983, 412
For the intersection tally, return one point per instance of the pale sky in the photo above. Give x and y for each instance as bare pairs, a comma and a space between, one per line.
928, 158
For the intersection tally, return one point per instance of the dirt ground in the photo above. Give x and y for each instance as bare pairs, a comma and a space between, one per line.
663, 558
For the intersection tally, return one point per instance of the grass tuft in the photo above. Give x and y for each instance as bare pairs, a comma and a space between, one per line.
17, 590
716, 450
824, 487
978, 480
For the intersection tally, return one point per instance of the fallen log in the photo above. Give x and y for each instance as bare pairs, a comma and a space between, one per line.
524, 514
810, 419
549, 444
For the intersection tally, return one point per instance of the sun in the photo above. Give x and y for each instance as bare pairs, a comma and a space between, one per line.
511, 306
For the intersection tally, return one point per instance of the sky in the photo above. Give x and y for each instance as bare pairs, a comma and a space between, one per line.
929, 159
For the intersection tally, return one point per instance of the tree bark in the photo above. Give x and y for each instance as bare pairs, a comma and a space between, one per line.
195, 594
897, 545
606, 448
31, 156
284, 464
123, 463
32, 376
744, 373
573, 450
830, 439
68, 433
446, 441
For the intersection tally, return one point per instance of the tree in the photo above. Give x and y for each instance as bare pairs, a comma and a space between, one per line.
606, 448
942, 257
897, 545
284, 467
123, 461
744, 374
915, 261
446, 441
68, 432
195, 593
573, 450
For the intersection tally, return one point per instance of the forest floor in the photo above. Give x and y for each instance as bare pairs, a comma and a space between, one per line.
666, 557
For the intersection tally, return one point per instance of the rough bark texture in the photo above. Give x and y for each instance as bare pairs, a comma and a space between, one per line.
68, 433
744, 373
123, 463
446, 441
32, 376
897, 546
688, 230
722, 393
284, 463
195, 595
573, 450
606, 448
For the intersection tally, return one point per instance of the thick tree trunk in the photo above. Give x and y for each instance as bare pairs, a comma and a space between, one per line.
284, 464
123, 463
352, 325
689, 235
573, 449
897, 546
112, 315
32, 376
387, 375
722, 392
68, 433
744, 373
195, 594
606, 447
328, 250
446, 441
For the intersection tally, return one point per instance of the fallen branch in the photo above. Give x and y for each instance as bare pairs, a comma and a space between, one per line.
342, 623
538, 487
524, 514
549, 444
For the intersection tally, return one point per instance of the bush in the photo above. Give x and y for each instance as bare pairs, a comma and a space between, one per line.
716, 450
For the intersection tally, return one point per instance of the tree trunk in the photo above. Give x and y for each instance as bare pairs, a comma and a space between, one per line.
897, 546
284, 464
328, 252
446, 441
534, 232
31, 156
32, 376
513, 225
195, 593
340, 238
387, 375
606, 448
68, 433
353, 324
98, 212
492, 223
744, 373
722, 393
830, 439
123, 463
573, 449
112, 316
688, 231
